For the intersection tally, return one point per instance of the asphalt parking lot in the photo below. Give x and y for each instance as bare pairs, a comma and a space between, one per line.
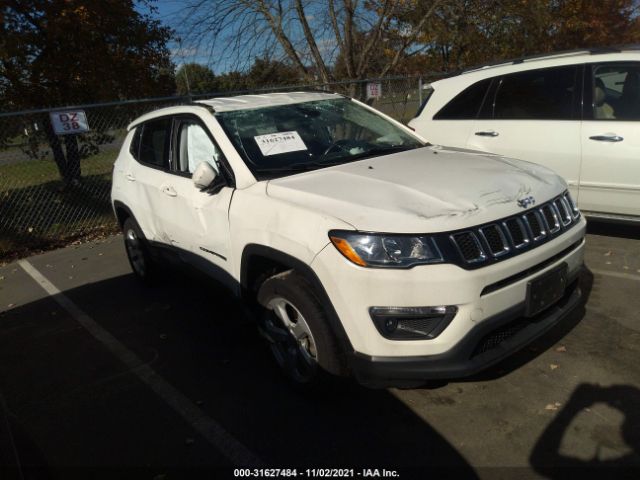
100, 373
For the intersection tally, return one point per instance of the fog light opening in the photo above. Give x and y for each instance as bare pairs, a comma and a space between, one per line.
412, 323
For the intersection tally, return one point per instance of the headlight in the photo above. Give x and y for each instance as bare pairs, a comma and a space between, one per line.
382, 250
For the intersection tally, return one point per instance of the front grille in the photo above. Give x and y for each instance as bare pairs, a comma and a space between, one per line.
499, 335
514, 234
468, 246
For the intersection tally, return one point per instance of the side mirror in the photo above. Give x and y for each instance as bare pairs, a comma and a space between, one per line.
204, 175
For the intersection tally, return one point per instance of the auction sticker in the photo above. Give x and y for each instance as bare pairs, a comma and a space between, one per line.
281, 142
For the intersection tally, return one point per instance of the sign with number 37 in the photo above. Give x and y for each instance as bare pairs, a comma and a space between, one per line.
68, 122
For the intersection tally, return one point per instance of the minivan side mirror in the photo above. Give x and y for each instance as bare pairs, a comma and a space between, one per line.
204, 176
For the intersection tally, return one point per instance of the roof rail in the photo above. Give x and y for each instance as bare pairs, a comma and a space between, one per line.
560, 53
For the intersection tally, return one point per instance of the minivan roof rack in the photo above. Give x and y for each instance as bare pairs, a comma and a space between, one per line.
561, 53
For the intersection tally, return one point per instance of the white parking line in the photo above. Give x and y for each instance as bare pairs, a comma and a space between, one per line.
217, 436
626, 276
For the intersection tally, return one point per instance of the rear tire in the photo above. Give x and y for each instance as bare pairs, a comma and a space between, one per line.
297, 329
142, 263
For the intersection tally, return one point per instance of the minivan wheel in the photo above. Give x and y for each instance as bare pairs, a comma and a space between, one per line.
138, 253
295, 325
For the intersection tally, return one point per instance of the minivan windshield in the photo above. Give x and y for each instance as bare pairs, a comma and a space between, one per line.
284, 139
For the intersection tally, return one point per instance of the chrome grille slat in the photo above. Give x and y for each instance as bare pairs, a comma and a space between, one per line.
517, 232
550, 217
469, 247
536, 226
495, 239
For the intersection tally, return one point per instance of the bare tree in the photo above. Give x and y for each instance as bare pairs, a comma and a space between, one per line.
370, 37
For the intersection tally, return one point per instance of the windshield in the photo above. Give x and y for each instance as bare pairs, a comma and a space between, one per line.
284, 139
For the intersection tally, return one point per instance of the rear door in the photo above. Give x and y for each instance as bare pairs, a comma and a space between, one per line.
610, 178
148, 176
535, 116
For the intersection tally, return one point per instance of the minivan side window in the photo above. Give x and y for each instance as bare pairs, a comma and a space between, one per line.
154, 143
545, 94
466, 104
616, 92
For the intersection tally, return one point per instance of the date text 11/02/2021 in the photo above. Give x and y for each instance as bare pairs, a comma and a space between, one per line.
316, 472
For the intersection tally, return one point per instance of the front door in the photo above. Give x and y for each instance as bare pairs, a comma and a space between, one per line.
202, 224
533, 115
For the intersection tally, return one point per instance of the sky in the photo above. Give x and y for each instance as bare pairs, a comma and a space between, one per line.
171, 13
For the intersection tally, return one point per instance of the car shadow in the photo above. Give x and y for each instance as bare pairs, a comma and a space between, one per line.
56, 378
547, 457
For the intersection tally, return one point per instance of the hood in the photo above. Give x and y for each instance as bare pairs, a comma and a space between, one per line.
426, 190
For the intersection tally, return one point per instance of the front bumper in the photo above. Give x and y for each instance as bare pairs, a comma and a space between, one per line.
486, 344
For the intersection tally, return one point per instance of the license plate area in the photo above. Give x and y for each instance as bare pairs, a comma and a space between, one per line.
545, 290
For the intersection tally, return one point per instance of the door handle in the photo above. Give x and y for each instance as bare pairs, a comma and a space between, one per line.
488, 133
607, 138
168, 190
130, 177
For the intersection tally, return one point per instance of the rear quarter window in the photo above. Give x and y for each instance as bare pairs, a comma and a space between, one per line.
134, 147
465, 105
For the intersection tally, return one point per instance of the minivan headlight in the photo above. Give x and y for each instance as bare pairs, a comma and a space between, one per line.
384, 250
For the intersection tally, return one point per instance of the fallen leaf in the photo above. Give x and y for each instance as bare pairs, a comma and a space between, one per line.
30, 229
551, 406
561, 348
100, 254
608, 254
11, 305
553, 366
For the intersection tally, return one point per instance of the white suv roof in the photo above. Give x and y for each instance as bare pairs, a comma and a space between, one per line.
240, 102
543, 61
243, 102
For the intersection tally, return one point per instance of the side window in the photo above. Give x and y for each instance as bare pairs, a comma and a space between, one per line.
466, 104
546, 94
134, 148
154, 143
194, 147
616, 92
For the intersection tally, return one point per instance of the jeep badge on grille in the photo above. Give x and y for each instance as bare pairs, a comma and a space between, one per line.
526, 202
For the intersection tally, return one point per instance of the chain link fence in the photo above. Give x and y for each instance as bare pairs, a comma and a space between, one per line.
55, 188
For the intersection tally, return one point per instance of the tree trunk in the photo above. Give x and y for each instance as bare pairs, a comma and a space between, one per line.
73, 157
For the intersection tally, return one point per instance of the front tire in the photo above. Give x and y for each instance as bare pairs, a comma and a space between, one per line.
297, 329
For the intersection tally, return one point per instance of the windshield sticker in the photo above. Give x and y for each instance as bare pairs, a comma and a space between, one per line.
281, 142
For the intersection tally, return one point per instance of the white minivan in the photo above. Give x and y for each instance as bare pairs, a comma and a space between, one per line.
577, 113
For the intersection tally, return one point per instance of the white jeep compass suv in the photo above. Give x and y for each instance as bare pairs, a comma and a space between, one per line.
369, 251
575, 112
